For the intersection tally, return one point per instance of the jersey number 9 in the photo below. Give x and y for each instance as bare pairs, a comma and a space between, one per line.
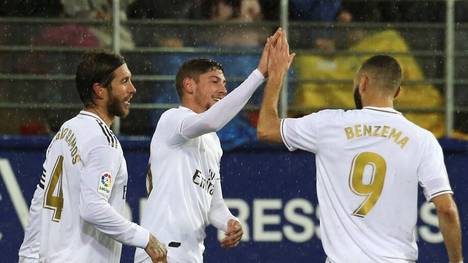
371, 190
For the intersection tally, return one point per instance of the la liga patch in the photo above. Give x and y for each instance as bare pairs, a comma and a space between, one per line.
105, 183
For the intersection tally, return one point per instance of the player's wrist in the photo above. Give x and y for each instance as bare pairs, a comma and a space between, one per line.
259, 73
276, 74
263, 71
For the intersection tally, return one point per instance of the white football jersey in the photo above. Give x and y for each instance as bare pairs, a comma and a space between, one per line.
369, 163
83, 190
186, 195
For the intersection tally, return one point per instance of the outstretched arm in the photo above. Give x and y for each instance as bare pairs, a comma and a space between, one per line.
268, 128
223, 111
449, 224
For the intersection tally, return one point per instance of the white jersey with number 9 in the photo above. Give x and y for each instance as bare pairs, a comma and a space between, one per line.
369, 163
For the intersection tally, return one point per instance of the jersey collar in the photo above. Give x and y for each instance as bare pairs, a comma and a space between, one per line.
185, 108
383, 109
92, 115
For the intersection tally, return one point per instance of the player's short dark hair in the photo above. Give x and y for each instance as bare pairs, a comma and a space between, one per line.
95, 67
193, 69
385, 69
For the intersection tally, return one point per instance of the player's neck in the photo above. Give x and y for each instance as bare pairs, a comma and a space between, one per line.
379, 103
193, 106
102, 113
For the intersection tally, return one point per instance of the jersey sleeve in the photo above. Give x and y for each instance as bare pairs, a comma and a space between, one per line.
169, 125
29, 250
223, 111
97, 179
219, 214
304, 133
432, 173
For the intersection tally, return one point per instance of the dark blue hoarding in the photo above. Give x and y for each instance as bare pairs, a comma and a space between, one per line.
271, 190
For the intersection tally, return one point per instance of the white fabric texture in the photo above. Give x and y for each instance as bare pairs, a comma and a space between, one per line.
185, 163
369, 163
85, 167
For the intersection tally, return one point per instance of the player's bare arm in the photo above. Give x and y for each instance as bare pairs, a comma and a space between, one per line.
233, 234
268, 128
449, 224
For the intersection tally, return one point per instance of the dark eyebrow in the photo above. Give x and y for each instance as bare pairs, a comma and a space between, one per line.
218, 78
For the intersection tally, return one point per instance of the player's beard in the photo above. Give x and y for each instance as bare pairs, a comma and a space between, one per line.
116, 107
357, 98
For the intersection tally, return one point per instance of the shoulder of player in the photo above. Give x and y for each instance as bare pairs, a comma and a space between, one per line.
427, 136
421, 133
334, 111
422, 136
331, 114
168, 127
173, 116
174, 112
319, 117
94, 132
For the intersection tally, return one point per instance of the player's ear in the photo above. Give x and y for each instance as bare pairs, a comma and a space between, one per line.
363, 83
189, 85
99, 90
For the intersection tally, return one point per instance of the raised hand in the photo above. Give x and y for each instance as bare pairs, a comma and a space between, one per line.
279, 58
263, 63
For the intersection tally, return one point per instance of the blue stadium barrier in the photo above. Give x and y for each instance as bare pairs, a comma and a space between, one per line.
269, 188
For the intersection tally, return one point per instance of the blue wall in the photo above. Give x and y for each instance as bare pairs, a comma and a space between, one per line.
271, 189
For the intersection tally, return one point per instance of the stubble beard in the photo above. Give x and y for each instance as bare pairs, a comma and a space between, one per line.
117, 108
